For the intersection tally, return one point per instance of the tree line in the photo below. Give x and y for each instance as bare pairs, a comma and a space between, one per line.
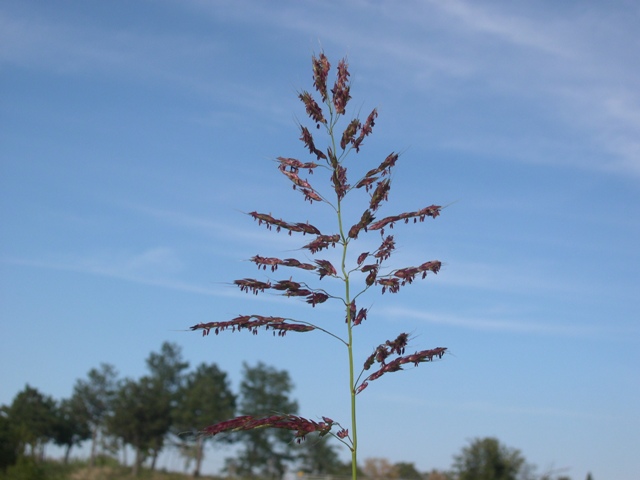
167, 408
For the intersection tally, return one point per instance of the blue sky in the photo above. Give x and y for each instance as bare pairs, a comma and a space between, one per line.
134, 134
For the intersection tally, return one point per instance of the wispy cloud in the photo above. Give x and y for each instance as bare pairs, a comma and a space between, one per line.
484, 323
154, 267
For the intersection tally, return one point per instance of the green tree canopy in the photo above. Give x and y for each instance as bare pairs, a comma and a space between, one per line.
71, 425
93, 398
407, 471
9, 443
166, 370
487, 459
141, 416
205, 398
32, 418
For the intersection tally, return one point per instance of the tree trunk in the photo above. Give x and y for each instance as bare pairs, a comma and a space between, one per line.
67, 452
137, 462
94, 438
199, 455
153, 460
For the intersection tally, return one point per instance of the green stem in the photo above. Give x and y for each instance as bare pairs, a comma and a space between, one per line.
345, 275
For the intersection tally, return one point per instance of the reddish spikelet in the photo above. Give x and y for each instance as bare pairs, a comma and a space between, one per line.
366, 183
348, 136
385, 250
313, 109
385, 167
264, 262
366, 218
362, 315
321, 68
307, 138
317, 297
252, 285
340, 90
322, 242
409, 273
292, 262
391, 284
339, 179
295, 179
287, 285
294, 165
351, 312
325, 268
366, 129
380, 194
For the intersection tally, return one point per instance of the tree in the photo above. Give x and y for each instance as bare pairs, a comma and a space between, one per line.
71, 425
353, 272
407, 471
379, 469
94, 397
32, 416
141, 417
9, 444
264, 391
487, 459
205, 398
166, 369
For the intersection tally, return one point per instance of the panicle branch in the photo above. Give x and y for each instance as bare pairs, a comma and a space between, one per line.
400, 277
272, 262
396, 347
269, 221
432, 211
252, 323
302, 426
288, 287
